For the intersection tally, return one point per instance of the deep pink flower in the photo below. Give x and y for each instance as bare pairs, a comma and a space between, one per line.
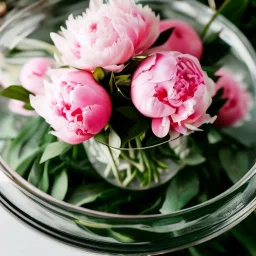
33, 73
184, 39
239, 100
173, 90
107, 35
74, 104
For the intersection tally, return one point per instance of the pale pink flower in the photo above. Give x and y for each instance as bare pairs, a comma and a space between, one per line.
173, 90
107, 35
11, 78
74, 104
33, 73
183, 39
239, 100
17, 107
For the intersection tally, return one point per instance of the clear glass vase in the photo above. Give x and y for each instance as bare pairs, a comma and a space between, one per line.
123, 234
135, 168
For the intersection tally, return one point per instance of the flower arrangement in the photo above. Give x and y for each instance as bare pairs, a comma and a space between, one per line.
128, 99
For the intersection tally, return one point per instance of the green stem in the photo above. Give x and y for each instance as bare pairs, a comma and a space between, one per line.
146, 161
114, 167
107, 170
136, 165
129, 179
131, 151
206, 28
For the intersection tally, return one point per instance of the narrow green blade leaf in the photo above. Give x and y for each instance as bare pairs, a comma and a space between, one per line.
22, 168
44, 182
36, 173
54, 149
60, 185
16, 92
235, 164
90, 193
163, 38
183, 188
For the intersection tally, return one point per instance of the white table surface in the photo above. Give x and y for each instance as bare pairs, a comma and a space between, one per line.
18, 239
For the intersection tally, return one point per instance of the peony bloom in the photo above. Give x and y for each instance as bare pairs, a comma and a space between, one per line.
107, 35
173, 90
74, 104
33, 73
11, 78
239, 100
184, 39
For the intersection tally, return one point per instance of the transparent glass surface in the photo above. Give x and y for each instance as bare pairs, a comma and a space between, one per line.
120, 234
132, 168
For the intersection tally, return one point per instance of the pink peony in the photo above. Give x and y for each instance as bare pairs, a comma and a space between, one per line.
74, 104
33, 73
11, 78
184, 39
239, 100
107, 35
171, 88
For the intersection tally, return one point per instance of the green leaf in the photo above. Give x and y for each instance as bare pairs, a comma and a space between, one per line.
54, 149
8, 127
112, 82
182, 189
214, 136
23, 166
44, 183
16, 92
98, 74
27, 143
153, 140
194, 252
215, 49
102, 137
36, 172
122, 79
217, 103
217, 13
245, 238
114, 139
235, 164
211, 71
123, 238
90, 193
163, 38
27, 106
60, 185
194, 158
136, 131
130, 113
235, 10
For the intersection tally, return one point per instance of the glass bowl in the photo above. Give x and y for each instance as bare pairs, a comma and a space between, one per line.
121, 234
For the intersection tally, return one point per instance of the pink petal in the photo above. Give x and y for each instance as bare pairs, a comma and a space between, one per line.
161, 126
184, 39
71, 137
95, 119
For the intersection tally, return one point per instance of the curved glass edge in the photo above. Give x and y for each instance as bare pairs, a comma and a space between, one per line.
171, 232
25, 185
151, 235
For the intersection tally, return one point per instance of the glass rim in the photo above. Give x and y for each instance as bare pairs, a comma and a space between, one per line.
25, 185
138, 148
29, 188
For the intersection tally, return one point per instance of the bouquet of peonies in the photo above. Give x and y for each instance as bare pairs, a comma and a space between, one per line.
131, 100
